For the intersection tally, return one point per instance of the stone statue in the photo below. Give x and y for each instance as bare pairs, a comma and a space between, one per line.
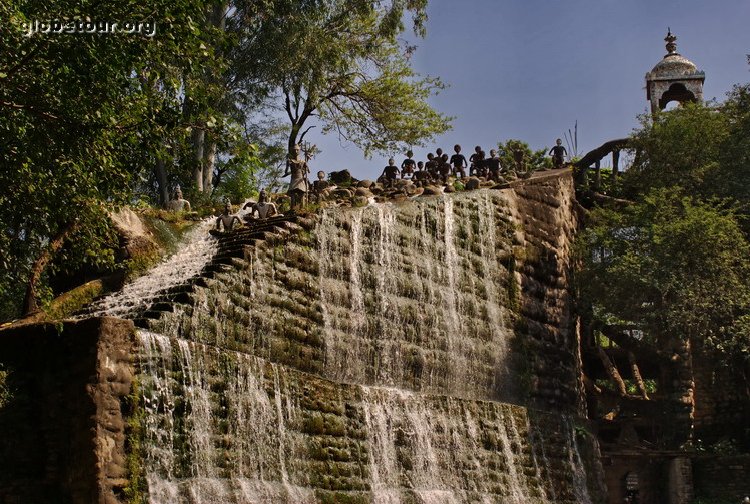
458, 161
178, 204
444, 168
431, 165
477, 161
558, 154
390, 173
421, 176
298, 169
493, 165
226, 219
263, 208
408, 165
321, 187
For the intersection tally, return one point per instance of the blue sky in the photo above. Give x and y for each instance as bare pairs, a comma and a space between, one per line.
528, 69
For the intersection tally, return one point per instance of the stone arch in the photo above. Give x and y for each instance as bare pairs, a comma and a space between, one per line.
677, 92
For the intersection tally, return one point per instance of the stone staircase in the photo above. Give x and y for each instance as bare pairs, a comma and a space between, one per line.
233, 250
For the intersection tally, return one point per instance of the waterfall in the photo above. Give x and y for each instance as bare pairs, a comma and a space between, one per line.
370, 370
197, 249
224, 426
414, 294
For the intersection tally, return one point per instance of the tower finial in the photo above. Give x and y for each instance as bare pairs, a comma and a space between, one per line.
670, 40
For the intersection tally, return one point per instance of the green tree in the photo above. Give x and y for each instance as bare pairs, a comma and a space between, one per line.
75, 116
672, 266
680, 147
341, 63
533, 159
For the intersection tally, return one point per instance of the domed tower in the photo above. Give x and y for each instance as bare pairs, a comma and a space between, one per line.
674, 78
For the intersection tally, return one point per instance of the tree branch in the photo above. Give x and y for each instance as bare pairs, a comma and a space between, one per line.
612, 372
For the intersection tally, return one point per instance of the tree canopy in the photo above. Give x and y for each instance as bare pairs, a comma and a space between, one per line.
341, 63
89, 121
668, 269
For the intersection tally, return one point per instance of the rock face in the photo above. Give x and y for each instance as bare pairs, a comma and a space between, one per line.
135, 239
63, 391
413, 352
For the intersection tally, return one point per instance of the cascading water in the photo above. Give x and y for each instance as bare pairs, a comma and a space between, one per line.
413, 294
415, 333
198, 248
228, 427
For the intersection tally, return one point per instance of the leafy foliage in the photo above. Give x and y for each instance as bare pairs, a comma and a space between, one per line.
75, 116
671, 265
533, 159
676, 263
678, 148
341, 62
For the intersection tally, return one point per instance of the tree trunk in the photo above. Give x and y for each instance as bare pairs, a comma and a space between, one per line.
615, 164
208, 167
637, 375
598, 176
293, 134
199, 137
30, 304
160, 171
613, 373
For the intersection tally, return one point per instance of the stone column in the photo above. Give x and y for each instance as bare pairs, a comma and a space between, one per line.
680, 481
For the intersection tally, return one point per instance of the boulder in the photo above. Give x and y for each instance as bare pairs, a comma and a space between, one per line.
365, 183
343, 192
135, 239
362, 191
360, 201
432, 190
449, 188
472, 183
342, 177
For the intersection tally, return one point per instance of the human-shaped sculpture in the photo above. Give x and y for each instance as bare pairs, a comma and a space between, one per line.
263, 208
408, 165
421, 176
298, 169
477, 161
444, 168
390, 173
558, 154
431, 165
458, 161
226, 219
321, 187
493, 166
178, 204
518, 157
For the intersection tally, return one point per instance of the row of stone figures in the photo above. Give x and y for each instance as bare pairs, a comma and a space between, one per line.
439, 167
420, 177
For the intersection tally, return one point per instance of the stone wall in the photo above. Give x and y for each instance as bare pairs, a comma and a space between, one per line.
722, 478
427, 296
721, 407
63, 433
384, 354
245, 430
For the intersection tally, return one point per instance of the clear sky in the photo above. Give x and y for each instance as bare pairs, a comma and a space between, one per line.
528, 69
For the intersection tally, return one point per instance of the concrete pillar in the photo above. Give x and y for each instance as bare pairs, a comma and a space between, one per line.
680, 481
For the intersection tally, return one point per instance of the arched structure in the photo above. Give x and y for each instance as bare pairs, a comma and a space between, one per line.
674, 78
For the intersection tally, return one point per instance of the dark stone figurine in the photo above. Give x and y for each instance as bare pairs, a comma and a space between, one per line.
558, 154
458, 161
390, 173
